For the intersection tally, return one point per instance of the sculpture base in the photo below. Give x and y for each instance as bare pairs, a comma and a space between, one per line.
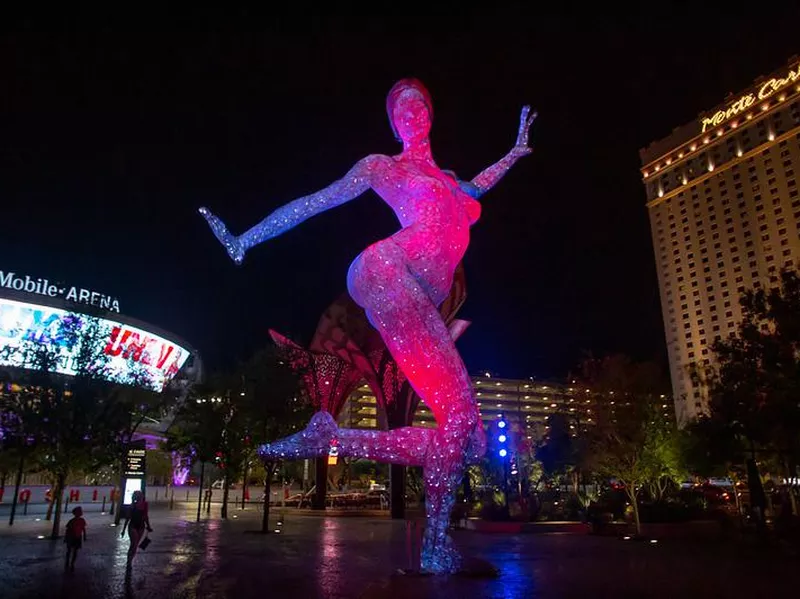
471, 568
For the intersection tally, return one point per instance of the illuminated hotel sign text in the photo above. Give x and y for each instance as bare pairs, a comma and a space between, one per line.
746, 101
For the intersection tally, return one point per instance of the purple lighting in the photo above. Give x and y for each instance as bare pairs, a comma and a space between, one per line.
400, 282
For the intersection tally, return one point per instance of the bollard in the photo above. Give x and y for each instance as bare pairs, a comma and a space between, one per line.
104, 505
172, 500
409, 550
187, 495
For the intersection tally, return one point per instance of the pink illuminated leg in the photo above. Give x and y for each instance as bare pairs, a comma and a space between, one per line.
406, 446
413, 330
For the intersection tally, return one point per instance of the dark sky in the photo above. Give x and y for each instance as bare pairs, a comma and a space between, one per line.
110, 142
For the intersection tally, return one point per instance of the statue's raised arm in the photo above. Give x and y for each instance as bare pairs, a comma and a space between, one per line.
352, 185
489, 177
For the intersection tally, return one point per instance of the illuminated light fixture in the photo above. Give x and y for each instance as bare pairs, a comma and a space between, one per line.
669, 161
706, 140
502, 438
546, 408
685, 180
498, 383
781, 98
488, 376
645, 174
526, 386
661, 193
477, 382
39, 536
498, 395
626, 538
734, 124
680, 154
719, 133
749, 117
771, 136
658, 168
479, 404
764, 107
552, 405
693, 148
501, 424
739, 152
653, 541
479, 393
527, 397
499, 405
710, 167
503, 453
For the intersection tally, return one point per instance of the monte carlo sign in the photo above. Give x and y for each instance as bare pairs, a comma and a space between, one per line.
746, 101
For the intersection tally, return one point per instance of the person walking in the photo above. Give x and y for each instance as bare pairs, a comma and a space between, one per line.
74, 535
136, 522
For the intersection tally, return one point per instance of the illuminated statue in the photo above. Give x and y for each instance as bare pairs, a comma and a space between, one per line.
399, 282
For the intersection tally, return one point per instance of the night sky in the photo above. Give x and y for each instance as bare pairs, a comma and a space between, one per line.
110, 142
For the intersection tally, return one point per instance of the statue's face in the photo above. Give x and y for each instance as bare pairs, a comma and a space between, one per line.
411, 117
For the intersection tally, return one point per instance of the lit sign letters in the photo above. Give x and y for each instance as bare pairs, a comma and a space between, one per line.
10, 280
125, 353
746, 101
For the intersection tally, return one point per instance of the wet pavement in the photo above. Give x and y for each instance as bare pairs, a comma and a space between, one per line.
358, 557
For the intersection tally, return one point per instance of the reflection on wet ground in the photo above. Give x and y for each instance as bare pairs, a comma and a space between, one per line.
360, 558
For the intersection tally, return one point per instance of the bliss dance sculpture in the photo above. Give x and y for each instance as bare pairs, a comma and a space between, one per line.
399, 282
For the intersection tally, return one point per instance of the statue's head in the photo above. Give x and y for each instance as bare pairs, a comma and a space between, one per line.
410, 110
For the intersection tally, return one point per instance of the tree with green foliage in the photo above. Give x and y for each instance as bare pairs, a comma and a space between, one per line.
75, 421
754, 383
272, 407
632, 438
198, 429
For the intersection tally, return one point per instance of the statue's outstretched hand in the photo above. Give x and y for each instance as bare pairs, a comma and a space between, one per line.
526, 119
231, 243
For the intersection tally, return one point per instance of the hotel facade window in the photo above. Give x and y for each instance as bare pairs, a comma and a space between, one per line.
723, 187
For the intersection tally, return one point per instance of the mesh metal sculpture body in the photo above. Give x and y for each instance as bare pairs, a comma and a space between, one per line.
399, 282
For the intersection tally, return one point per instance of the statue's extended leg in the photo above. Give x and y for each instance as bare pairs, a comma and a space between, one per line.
413, 330
406, 445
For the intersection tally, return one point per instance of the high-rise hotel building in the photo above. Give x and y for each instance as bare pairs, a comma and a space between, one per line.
725, 216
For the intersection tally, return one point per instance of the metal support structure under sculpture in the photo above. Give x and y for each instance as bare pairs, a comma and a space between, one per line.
400, 282
328, 382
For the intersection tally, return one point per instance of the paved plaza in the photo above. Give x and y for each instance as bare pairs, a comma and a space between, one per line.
358, 557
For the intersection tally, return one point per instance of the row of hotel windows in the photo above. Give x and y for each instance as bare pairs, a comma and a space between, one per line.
733, 147
767, 129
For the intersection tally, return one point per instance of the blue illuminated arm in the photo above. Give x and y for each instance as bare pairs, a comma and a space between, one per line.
352, 185
489, 178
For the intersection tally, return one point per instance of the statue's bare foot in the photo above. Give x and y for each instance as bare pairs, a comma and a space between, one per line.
313, 441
